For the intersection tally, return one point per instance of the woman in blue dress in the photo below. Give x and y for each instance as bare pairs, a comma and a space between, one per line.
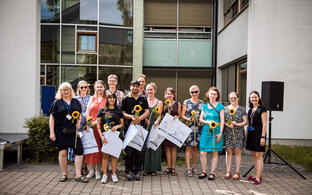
211, 139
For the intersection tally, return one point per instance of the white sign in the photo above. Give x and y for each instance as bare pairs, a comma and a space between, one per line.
134, 137
114, 144
88, 142
154, 140
174, 130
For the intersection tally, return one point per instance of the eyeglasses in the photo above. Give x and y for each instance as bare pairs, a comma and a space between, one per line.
83, 87
233, 98
192, 92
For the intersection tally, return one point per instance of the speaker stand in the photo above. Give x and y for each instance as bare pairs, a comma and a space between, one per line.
267, 157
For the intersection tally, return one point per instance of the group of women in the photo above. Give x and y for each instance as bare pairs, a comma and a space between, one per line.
214, 127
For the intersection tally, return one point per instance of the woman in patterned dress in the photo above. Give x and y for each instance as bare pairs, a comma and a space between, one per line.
97, 101
234, 134
211, 139
190, 113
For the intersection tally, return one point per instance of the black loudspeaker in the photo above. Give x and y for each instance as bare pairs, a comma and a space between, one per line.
272, 95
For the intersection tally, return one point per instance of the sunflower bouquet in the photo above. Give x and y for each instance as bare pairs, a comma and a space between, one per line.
136, 110
88, 123
155, 111
232, 113
75, 116
168, 106
212, 126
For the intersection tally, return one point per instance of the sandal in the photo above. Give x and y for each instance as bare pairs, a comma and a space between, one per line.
146, 173
236, 176
154, 173
168, 171
227, 175
189, 173
81, 179
63, 178
173, 172
202, 175
195, 172
211, 176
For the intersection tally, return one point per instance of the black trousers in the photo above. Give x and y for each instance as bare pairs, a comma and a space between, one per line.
133, 160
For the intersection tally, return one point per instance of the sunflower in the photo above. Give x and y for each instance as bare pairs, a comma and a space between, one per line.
89, 119
193, 113
75, 114
212, 125
232, 111
168, 102
106, 126
137, 108
157, 109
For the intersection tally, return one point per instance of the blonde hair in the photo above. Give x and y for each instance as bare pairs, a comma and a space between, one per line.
79, 84
141, 75
194, 87
152, 85
102, 83
63, 86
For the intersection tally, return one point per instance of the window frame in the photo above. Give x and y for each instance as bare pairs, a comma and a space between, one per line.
80, 51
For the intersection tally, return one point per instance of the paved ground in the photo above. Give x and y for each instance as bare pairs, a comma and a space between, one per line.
43, 179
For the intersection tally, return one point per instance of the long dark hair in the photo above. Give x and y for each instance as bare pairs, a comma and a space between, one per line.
260, 101
111, 95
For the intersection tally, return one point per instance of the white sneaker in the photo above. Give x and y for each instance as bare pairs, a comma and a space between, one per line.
115, 178
97, 175
90, 174
104, 178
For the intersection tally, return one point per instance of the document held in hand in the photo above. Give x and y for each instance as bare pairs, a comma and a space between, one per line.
135, 137
88, 142
114, 144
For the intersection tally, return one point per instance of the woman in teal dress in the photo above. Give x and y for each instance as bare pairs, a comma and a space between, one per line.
211, 139
152, 159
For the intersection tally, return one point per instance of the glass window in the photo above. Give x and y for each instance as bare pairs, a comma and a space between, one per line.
68, 44
74, 74
50, 11
50, 44
115, 46
86, 58
116, 12
53, 75
124, 76
42, 70
160, 53
79, 11
86, 42
194, 53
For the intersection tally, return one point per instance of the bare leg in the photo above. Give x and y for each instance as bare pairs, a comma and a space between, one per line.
229, 154
104, 162
238, 159
188, 156
114, 164
168, 156
253, 154
98, 166
259, 168
63, 161
194, 156
173, 156
203, 161
214, 162
92, 167
78, 165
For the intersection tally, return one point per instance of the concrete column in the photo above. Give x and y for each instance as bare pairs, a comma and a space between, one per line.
138, 37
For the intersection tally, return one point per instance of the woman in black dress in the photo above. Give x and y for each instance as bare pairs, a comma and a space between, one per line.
256, 133
65, 114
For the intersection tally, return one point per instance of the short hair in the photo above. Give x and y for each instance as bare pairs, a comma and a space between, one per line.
152, 84
234, 93
194, 87
170, 89
213, 89
79, 84
111, 95
141, 75
112, 76
102, 83
63, 86
257, 93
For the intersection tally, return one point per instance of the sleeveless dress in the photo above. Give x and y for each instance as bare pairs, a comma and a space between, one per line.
239, 132
173, 112
152, 159
95, 106
207, 140
190, 106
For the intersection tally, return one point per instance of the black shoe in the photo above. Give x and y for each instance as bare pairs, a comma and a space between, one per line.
129, 177
137, 176
202, 175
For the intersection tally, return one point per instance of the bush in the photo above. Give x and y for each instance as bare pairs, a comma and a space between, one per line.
38, 145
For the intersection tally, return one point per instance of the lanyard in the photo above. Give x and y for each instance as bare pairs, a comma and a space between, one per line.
67, 106
252, 115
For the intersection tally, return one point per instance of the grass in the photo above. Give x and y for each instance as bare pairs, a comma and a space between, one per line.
301, 155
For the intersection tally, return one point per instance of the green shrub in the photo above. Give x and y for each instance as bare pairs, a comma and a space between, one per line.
38, 145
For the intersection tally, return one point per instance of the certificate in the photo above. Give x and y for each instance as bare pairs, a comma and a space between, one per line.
88, 142
174, 130
154, 140
134, 137
114, 144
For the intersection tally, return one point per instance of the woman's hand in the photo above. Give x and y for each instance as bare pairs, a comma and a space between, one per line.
52, 136
175, 117
219, 137
192, 119
104, 140
234, 123
114, 128
262, 141
156, 123
147, 122
93, 123
231, 126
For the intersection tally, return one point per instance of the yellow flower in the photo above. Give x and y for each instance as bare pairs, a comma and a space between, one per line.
212, 125
106, 126
137, 108
168, 102
193, 113
89, 119
75, 114
232, 111
157, 109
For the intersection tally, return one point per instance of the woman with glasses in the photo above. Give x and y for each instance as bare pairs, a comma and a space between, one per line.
112, 81
190, 114
234, 134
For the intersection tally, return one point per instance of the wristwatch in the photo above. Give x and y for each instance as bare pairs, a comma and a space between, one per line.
262, 136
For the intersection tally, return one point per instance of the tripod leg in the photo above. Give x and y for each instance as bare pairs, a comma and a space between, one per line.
288, 164
248, 171
266, 155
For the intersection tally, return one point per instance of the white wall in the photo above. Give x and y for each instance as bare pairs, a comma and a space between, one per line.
19, 64
280, 49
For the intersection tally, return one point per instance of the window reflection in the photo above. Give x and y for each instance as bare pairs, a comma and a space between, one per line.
52, 75
116, 12
86, 59
50, 43
68, 44
50, 11
79, 11
115, 46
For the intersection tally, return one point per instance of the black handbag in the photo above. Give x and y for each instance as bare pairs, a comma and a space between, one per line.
68, 131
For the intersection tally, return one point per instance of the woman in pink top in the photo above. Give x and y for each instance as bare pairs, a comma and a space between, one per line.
97, 101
